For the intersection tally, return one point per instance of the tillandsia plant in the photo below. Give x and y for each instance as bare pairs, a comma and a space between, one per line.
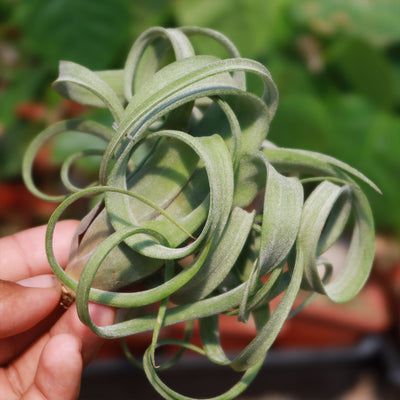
196, 206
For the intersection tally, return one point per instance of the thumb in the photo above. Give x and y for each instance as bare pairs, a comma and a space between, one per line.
58, 376
23, 305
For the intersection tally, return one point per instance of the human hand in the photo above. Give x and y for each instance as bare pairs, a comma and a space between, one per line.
43, 349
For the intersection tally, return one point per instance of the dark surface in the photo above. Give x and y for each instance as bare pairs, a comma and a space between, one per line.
370, 370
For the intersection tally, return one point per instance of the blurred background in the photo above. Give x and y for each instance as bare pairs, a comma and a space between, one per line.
336, 64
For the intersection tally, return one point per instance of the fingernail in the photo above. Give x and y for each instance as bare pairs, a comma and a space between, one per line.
101, 315
39, 281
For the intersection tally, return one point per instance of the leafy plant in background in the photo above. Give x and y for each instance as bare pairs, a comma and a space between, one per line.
196, 205
360, 89
48, 30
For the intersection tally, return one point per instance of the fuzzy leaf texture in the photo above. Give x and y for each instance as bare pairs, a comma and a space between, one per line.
196, 206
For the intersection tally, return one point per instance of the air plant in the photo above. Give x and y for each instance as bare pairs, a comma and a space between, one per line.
196, 206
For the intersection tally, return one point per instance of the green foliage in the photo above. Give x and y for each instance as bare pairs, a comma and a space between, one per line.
25, 83
254, 26
55, 30
365, 70
308, 126
374, 21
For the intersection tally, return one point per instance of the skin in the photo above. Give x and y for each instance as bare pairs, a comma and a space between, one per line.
43, 348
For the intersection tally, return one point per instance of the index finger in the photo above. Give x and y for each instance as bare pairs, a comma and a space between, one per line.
23, 254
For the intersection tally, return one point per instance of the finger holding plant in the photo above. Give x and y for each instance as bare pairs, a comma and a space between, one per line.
197, 206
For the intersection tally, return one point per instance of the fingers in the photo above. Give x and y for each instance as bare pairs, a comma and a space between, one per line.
70, 323
25, 366
23, 307
59, 371
41, 370
13, 346
23, 254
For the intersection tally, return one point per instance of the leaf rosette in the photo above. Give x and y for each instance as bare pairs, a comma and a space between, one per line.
196, 206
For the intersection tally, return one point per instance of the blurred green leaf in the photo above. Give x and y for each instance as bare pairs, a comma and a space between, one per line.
254, 26
89, 32
291, 76
23, 87
369, 138
384, 142
351, 117
384, 138
376, 21
12, 147
354, 130
397, 78
365, 69
148, 13
302, 121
